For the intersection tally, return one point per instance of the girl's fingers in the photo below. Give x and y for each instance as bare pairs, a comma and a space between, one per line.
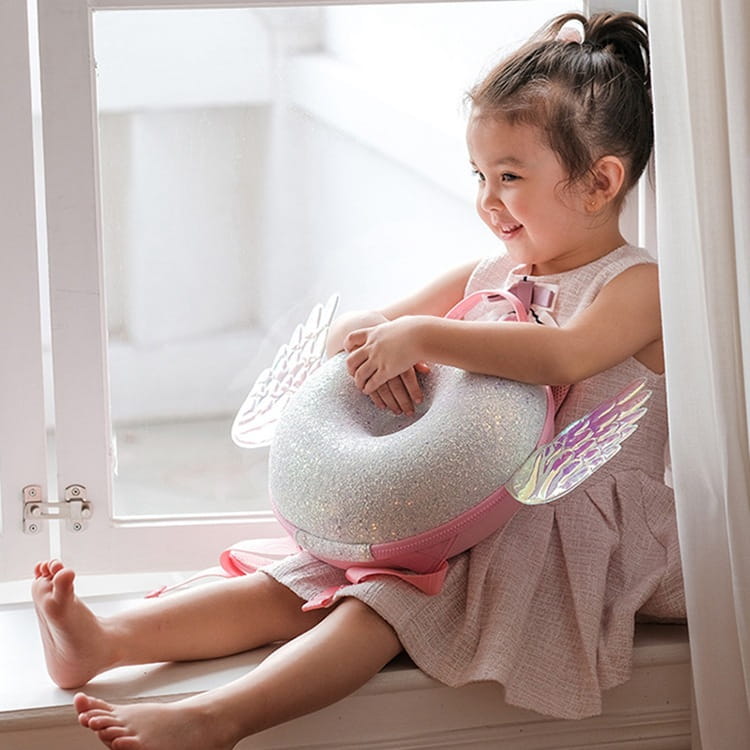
401, 396
355, 360
360, 367
377, 399
388, 399
355, 339
411, 385
368, 380
364, 378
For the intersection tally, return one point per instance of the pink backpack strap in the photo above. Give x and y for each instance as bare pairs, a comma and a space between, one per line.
240, 559
203, 575
531, 293
247, 556
520, 297
516, 306
427, 583
559, 392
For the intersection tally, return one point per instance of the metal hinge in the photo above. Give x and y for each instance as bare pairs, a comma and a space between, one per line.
75, 509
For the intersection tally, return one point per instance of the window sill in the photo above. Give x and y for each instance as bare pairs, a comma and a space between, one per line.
651, 712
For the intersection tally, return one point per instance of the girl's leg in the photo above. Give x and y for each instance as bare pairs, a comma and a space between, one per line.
209, 621
314, 670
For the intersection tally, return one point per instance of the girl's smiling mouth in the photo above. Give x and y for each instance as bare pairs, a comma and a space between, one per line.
504, 229
509, 230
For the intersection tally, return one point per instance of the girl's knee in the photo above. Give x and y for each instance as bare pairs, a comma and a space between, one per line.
358, 613
369, 632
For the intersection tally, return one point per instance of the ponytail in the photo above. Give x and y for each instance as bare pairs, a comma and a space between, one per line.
624, 35
588, 93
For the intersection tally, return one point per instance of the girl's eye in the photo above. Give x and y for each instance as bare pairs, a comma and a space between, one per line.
509, 177
478, 175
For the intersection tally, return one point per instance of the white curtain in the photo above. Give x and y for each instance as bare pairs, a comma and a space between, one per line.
701, 69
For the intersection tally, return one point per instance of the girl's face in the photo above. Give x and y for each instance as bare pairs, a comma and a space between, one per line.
523, 197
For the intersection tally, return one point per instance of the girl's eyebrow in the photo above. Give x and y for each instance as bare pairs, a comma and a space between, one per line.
511, 161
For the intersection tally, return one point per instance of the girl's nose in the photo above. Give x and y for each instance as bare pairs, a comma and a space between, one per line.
488, 201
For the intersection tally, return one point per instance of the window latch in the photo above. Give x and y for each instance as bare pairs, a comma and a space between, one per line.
75, 509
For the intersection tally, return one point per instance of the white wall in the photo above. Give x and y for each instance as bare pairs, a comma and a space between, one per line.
182, 197
344, 218
426, 61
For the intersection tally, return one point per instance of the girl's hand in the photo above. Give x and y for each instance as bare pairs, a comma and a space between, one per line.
381, 353
401, 394
343, 325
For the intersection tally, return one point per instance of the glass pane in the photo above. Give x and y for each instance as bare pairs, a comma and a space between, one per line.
253, 162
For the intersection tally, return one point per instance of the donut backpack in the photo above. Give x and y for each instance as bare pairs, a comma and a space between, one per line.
376, 493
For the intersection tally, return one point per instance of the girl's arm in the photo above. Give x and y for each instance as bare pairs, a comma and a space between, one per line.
622, 321
402, 391
435, 299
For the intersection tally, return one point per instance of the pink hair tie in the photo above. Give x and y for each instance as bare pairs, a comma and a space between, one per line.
571, 31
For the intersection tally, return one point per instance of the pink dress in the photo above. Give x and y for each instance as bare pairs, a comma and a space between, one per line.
547, 605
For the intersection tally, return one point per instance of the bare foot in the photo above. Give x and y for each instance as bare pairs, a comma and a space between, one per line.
184, 725
74, 639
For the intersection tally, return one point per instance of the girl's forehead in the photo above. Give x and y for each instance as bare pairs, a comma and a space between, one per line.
491, 134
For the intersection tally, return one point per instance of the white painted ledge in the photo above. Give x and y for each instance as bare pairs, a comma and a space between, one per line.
399, 709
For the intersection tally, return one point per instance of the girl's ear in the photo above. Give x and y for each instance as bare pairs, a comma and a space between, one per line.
605, 182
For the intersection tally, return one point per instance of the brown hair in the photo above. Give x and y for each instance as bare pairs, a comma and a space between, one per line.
589, 99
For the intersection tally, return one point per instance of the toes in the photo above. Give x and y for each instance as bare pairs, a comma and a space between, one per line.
109, 734
84, 703
88, 718
41, 569
124, 743
103, 721
47, 568
54, 566
62, 581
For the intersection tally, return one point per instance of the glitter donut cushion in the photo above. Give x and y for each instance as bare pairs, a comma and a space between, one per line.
357, 485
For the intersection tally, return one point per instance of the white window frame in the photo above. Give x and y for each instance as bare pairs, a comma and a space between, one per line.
82, 417
23, 455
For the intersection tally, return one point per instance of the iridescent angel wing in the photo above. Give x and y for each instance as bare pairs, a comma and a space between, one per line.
580, 449
256, 420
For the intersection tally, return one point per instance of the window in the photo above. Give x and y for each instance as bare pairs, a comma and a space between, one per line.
22, 421
214, 173
247, 158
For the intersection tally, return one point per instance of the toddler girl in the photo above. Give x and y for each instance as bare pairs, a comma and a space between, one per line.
558, 134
